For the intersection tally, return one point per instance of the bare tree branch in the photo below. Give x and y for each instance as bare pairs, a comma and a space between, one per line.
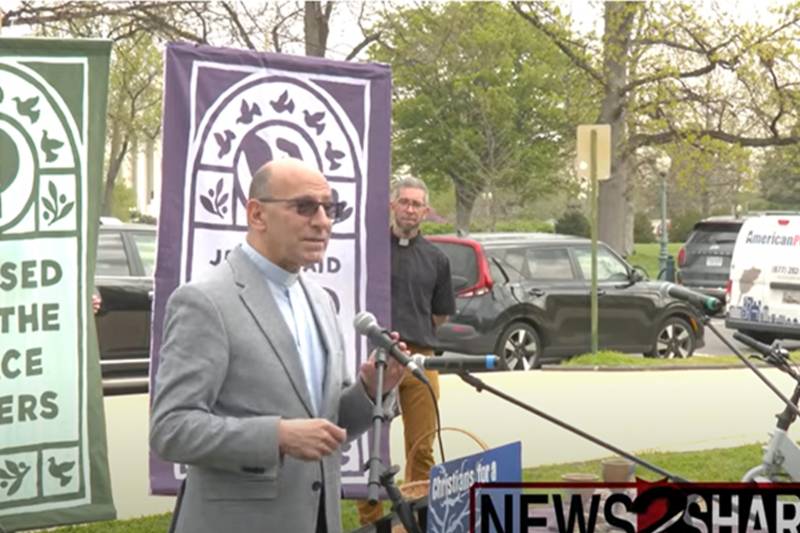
237, 24
368, 40
666, 137
559, 42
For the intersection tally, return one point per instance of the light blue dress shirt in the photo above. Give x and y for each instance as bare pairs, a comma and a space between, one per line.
296, 311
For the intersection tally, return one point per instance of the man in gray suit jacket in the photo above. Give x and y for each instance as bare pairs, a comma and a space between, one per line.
252, 390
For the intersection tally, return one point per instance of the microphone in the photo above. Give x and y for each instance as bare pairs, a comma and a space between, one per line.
366, 325
708, 303
458, 362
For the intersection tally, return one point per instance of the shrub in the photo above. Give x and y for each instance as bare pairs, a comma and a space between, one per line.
510, 226
524, 226
436, 228
642, 229
123, 201
573, 223
682, 225
143, 218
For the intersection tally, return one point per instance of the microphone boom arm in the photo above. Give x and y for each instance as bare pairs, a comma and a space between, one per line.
480, 386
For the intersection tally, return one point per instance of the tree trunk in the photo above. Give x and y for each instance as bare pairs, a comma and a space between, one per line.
119, 148
465, 201
315, 21
133, 153
615, 227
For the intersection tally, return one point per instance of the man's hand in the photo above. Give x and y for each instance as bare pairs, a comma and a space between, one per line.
391, 375
309, 440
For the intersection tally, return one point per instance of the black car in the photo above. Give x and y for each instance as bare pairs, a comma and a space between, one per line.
124, 278
704, 262
526, 298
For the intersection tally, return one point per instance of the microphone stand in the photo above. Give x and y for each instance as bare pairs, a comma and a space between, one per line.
480, 386
379, 475
789, 404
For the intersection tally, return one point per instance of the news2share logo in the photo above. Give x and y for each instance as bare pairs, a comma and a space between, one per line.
640, 507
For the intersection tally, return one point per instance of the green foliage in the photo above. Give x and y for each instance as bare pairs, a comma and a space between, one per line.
609, 359
123, 201
719, 464
642, 229
573, 223
142, 218
780, 177
682, 225
482, 107
511, 226
705, 176
437, 228
134, 102
526, 226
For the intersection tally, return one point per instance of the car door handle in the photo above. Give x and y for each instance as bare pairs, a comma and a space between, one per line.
150, 295
536, 292
601, 292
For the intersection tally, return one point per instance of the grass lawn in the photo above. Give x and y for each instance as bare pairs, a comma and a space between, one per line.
646, 256
607, 359
722, 464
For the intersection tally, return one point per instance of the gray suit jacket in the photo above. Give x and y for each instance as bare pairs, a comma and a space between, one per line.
229, 371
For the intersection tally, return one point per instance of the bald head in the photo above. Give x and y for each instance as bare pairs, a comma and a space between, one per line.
276, 173
279, 224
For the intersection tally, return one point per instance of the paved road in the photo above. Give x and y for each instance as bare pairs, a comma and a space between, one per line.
714, 346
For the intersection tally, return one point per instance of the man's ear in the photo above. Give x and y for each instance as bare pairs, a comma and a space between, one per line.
255, 215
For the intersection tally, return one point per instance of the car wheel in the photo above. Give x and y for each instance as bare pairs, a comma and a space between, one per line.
675, 339
519, 348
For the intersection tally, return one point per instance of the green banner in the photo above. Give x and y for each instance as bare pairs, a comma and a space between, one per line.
53, 454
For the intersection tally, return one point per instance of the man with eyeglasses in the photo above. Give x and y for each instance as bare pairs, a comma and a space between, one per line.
252, 390
422, 299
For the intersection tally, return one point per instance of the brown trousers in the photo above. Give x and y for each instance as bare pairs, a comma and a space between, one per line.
419, 418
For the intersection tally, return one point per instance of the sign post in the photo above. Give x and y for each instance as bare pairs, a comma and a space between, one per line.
594, 162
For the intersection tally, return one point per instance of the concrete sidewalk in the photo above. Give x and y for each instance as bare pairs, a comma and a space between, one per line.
673, 410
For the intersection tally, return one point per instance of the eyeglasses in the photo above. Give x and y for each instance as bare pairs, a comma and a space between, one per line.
405, 202
307, 207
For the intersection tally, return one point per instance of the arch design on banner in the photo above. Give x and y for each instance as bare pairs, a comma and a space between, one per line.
235, 138
44, 461
262, 118
40, 149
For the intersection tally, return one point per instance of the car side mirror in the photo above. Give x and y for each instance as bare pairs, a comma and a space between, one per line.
459, 283
638, 274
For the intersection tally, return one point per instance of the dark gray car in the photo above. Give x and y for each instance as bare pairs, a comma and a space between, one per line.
704, 262
526, 297
124, 278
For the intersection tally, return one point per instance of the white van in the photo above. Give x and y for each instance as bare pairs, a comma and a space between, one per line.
763, 292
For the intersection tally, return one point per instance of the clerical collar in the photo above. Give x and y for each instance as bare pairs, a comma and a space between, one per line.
403, 241
271, 271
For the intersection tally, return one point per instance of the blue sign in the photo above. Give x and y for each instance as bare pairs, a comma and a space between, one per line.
448, 492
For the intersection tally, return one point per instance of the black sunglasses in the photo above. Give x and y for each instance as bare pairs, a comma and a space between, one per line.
308, 207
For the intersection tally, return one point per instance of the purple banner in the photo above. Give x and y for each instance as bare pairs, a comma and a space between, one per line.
226, 113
